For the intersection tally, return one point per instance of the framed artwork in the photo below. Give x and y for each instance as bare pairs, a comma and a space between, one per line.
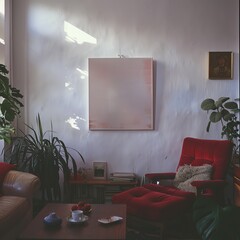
100, 170
220, 65
120, 93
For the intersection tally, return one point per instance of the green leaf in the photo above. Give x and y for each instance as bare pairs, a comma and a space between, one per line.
228, 117
220, 101
208, 104
231, 105
225, 114
3, 69
4, 82
215, 117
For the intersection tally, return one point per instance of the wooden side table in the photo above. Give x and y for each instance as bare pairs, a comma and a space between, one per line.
96, 191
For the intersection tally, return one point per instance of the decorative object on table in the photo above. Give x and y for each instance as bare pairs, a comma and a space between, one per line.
78, 212
121, 93
44, 155
83, 173
77, 215
9, 106
80, 221
111, 219
52, 220
226, 112
220, 65
100, 170
123, 177
85, 207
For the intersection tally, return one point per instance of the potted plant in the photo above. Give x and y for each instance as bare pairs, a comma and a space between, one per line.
225, 111
9, 105
46, 156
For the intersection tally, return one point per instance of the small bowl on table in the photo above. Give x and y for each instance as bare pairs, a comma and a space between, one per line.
52, 220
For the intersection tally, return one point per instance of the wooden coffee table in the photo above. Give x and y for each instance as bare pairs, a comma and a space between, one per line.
91, 229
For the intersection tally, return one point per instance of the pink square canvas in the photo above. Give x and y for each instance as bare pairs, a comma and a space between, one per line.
120, 94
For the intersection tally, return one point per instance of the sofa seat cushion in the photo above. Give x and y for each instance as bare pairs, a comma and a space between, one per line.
151, 203
12, 210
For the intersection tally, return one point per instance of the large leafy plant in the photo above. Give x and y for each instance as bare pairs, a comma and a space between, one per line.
46, 156
225, 111
9, 105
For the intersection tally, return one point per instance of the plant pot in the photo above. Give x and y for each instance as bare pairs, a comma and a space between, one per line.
236, 184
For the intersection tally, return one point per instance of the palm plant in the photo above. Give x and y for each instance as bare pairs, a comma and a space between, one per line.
44, 157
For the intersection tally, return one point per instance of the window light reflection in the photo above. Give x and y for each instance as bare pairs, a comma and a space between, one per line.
2, 7
84, 74
2, 41
73, 122
68, 85
74, 34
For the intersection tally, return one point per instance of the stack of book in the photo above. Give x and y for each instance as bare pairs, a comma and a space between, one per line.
123, 176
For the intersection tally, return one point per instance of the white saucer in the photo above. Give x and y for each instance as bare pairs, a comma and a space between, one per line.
71, 220
112, 219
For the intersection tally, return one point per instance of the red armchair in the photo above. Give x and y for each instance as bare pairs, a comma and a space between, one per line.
154, 203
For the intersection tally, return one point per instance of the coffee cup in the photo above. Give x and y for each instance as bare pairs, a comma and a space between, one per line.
77, 215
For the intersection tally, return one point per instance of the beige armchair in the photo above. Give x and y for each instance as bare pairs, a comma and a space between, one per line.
16, 202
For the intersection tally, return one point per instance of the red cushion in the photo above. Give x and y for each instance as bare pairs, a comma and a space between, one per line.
150, 203
4, 169
171, 190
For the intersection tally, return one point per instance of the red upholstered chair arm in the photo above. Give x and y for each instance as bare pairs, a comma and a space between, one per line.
154, 177
208, 184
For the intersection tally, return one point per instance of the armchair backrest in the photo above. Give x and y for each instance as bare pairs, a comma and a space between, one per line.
197, 152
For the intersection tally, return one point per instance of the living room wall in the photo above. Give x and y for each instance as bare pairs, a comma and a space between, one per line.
50, 66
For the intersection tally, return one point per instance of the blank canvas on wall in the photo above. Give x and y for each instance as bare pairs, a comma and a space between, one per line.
120, 93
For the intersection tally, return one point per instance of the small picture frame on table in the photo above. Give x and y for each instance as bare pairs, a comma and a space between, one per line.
220, 65
100, 170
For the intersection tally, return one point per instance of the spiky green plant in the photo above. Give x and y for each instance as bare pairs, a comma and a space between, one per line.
45, 157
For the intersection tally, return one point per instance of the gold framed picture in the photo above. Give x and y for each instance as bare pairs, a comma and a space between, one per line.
220, 65
100, 170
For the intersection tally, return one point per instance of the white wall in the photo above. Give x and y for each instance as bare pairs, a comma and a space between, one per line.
1, 54
178, 34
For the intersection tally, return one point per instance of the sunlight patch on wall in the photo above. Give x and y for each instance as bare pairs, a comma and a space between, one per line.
2, 7
68, 86
2, 41
74, 34
73, 122
84, 74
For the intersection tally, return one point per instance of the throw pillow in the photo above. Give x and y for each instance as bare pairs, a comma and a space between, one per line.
183, 173
194, 173
4, 169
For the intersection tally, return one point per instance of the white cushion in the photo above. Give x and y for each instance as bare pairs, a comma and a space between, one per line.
187, 174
